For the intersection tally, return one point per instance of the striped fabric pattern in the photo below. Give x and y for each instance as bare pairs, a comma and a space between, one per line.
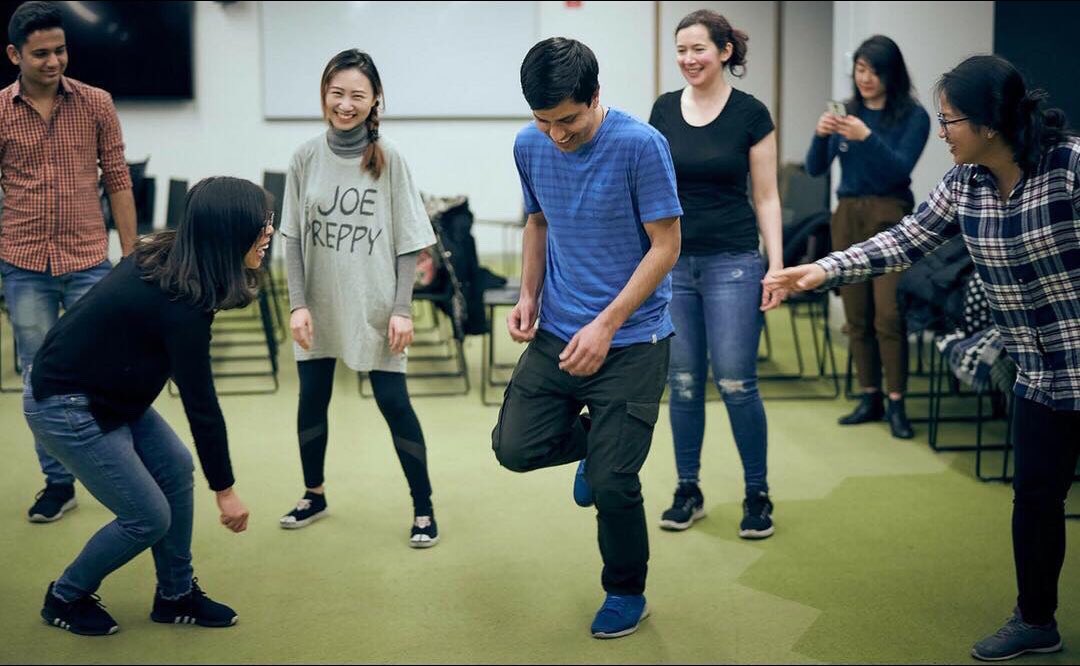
596, 201
1027, 252
49, 172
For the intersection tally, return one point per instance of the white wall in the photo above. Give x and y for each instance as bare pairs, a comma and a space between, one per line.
806, 73
934, 37
223, 130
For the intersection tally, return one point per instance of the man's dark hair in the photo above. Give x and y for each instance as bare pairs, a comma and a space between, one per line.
557, 69
31, 17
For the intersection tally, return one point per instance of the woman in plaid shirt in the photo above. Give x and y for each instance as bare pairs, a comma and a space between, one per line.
1014, 194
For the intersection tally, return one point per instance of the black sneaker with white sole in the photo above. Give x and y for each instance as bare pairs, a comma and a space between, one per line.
757, 516
309, 509
425, 533
192, 608
51, 503
85, 616
687, 507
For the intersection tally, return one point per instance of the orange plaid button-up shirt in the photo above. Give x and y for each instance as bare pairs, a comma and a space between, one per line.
49, 172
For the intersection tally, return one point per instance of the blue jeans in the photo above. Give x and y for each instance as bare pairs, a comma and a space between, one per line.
33, 301
141, 472
715, 306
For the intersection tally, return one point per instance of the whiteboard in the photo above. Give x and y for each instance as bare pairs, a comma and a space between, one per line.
435, 59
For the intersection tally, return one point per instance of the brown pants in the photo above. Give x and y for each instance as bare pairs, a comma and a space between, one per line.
874, 326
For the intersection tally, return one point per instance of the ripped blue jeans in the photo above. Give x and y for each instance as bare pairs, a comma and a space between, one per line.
715, 305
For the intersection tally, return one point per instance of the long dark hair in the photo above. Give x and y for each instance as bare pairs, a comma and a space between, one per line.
721, 33
884, 56
373, 159
992, 93
202, 261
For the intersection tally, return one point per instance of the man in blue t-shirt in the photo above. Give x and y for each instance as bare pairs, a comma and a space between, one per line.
601, 239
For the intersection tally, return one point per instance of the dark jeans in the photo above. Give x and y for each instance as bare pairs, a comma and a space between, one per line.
716, 308
540, 426
1047, 447
34, 301
875, 328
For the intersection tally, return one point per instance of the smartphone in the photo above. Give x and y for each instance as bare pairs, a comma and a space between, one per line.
837, 108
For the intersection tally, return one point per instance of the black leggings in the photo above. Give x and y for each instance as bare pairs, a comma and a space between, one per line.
1047, 448
392, 397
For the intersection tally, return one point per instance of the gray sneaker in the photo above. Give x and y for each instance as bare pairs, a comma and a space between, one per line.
1016, 638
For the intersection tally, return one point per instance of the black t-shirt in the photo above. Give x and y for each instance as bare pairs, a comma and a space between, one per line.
119, 344
712, 166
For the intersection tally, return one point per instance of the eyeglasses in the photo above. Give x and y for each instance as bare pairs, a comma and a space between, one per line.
945, 123
269, 223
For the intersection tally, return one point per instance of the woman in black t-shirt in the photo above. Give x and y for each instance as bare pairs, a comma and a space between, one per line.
720, 137
99, 370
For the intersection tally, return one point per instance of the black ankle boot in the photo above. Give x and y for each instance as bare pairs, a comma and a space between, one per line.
898, 420
871, 407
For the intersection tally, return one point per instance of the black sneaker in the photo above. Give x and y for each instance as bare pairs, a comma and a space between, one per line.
688, 506
311, 508
192, 608
52, 502
757, 517
425, 533
85, 616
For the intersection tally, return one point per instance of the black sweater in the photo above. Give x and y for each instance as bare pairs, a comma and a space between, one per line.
119, 344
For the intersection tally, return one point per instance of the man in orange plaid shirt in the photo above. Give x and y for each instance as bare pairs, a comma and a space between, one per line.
55, 133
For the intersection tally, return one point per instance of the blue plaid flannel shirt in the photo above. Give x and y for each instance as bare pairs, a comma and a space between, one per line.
1027, 252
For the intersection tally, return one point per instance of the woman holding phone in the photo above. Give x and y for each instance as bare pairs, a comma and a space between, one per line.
878, 135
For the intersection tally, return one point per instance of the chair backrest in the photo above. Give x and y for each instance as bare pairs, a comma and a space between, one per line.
178, 189
801, 195
274, 183
805, 203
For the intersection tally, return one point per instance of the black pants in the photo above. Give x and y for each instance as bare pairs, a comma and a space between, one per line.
392, 397
540, 426
1047, 444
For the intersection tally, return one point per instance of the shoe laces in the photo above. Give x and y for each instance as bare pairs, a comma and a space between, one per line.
616, 603
88, 601
1012, 626
423, 522
50, 490
757, 505
303, 505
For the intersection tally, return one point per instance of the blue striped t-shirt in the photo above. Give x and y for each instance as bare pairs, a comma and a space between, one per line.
596, 200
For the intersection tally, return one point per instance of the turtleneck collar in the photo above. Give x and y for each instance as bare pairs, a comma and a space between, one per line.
348, 143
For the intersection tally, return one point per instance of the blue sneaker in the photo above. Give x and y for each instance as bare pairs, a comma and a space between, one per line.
620, 615
582, 491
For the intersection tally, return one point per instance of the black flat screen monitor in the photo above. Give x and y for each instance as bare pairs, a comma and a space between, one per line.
134, 50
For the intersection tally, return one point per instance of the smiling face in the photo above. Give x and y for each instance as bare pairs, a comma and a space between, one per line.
699, 58
254, 257
965, 141
349, 99
570, 124
43, 58
868, 82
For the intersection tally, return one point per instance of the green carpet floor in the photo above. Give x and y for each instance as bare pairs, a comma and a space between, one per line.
885, 551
